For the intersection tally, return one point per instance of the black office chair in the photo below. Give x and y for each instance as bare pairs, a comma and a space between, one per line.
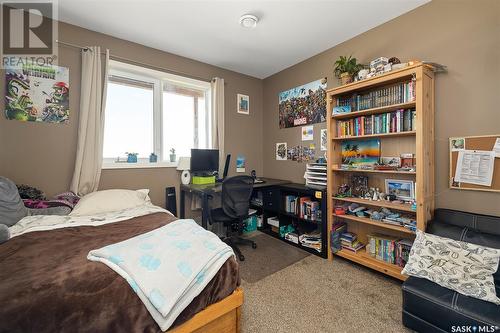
235, 199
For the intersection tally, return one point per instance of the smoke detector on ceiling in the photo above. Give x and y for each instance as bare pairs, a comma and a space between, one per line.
249, 21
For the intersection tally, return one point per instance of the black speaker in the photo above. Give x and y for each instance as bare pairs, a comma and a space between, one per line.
171, 200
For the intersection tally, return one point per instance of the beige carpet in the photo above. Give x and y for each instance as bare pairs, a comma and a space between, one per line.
314, 295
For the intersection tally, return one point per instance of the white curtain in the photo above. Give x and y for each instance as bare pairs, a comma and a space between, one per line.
91, 121
217, 104
217, 100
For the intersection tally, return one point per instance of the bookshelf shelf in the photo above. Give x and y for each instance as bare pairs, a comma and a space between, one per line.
279, 206
415, 86
376, 81
395, 172
368, 112
363, 258
296, 217
386, 204
384, 135
375, 223
300, 246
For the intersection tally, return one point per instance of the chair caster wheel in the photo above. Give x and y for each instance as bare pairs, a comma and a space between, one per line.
254, 246
242, 258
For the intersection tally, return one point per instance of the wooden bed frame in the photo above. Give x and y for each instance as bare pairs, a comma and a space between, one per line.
221, 317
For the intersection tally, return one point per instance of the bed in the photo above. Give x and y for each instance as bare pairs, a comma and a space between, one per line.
48, 285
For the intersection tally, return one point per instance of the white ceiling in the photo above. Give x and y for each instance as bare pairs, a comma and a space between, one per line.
288, 31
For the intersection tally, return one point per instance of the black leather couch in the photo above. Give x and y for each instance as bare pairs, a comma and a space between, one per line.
428, 307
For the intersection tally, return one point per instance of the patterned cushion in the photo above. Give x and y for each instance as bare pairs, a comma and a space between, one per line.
463, 267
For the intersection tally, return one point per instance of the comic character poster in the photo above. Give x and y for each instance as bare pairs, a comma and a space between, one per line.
303, 105
37, 93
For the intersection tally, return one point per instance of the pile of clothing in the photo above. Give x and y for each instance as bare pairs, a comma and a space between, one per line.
17, 202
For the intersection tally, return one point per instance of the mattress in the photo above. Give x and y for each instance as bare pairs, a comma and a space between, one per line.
48, 285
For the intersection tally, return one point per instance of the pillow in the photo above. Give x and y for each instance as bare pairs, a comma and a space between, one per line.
11, 206
109, 201
460, 266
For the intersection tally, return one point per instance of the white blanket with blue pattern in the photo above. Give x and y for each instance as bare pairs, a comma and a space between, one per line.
167, 267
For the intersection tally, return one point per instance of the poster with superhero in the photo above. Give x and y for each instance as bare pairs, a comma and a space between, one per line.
303, 105
37, 93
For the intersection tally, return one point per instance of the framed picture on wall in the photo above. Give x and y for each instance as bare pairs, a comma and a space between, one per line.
243, 104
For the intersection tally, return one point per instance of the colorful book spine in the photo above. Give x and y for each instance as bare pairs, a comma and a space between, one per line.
391, 122
394, 94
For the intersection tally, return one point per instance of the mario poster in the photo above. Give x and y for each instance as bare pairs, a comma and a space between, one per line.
37, 93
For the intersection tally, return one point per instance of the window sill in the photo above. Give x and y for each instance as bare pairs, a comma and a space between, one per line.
139, 165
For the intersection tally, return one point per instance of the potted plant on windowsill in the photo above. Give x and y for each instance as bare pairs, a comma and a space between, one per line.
172, 155
131, 157
346, 68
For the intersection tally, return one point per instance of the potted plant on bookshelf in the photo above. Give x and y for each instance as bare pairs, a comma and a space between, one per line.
346, 68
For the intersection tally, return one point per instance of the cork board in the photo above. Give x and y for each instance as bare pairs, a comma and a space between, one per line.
485, 142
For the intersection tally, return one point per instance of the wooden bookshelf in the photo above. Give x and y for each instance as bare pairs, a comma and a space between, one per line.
419, 142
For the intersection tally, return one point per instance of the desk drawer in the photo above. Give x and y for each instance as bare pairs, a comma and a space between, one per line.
271, 199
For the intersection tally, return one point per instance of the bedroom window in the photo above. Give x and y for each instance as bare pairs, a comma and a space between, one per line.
148, 111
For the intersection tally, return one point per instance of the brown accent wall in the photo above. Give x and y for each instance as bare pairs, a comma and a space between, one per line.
43, 155
463, 35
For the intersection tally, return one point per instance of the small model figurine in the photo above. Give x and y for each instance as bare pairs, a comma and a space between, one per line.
371, 193
344, 191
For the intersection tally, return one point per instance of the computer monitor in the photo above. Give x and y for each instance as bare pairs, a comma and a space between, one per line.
204, 161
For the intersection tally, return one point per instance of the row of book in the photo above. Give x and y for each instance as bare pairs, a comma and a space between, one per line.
394, 94
303, 207
389, 249
391, 122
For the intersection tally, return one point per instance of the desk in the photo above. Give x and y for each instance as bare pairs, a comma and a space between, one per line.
204, 191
